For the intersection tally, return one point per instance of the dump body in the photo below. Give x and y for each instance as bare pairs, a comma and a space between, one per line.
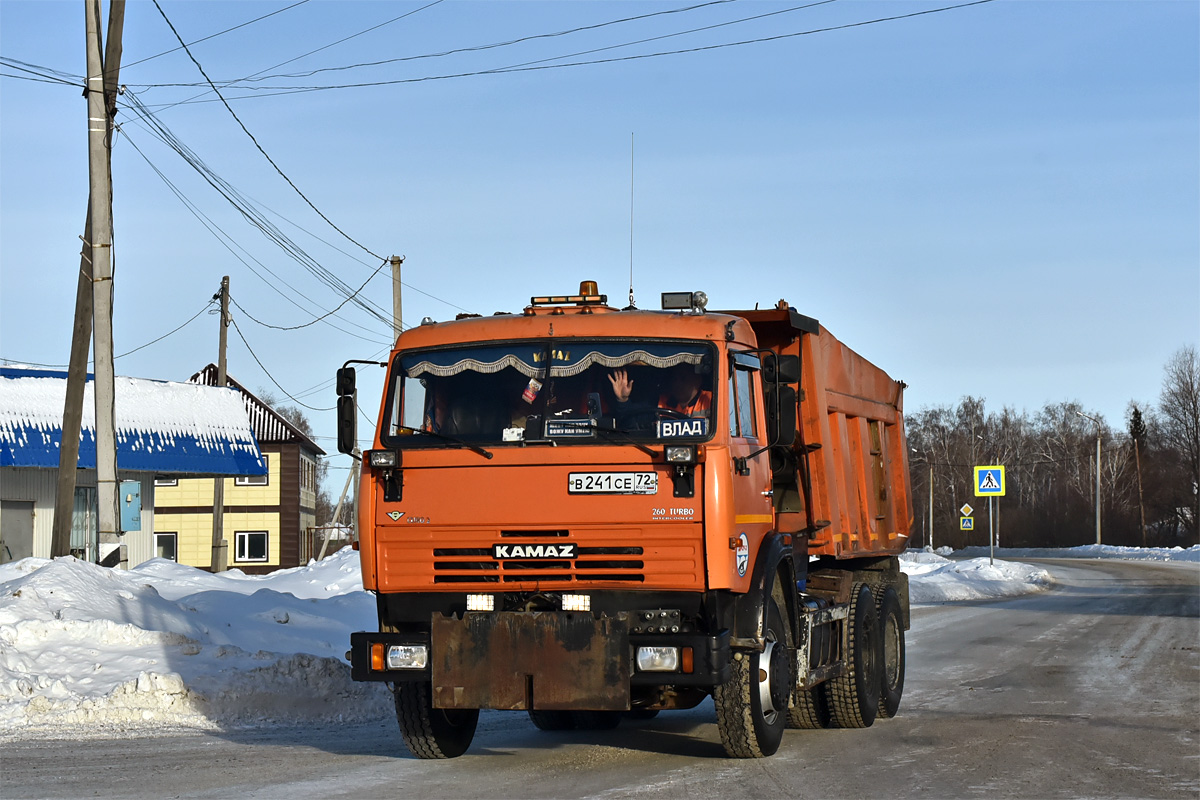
579, 509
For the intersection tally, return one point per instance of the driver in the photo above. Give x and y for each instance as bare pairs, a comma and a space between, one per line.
683, 394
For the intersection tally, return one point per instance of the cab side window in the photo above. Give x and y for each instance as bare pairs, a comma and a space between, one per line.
741, 402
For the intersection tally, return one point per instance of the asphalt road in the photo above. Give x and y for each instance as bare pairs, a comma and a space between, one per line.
1091, 689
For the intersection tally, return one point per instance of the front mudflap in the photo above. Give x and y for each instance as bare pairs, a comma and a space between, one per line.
531, 660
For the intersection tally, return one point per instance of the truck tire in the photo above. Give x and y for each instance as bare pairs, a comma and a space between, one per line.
552, 720
596, 720
854, 696
752, 706
432, 732
808, 709
891, 623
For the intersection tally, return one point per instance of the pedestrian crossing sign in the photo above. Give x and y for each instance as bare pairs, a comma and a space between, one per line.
989, 481
966, 523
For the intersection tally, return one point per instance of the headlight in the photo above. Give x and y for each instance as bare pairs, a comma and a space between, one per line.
481, 602
680, 454
382, 458
576, 602
657, 659
407, 656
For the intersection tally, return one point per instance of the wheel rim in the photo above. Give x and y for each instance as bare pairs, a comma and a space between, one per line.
770, 685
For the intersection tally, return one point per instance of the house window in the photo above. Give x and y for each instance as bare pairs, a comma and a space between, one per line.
163, 480
166, 546
250, 546
255, 480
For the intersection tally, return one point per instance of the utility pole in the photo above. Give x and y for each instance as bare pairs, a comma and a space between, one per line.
396, 326
220, 548
1093, 419
100, 181
64, 501
930, 506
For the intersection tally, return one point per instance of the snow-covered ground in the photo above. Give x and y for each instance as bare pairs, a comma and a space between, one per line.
86, 650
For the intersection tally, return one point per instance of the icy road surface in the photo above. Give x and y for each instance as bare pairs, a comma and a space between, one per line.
1090, 688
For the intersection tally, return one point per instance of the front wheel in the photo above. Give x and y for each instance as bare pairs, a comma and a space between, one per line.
432, 732
752, 706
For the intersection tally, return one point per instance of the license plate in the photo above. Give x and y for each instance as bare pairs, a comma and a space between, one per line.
612, 483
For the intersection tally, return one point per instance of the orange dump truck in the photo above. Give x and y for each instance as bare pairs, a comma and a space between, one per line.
585, 513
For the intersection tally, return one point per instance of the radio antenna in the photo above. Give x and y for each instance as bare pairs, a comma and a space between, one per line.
632, 305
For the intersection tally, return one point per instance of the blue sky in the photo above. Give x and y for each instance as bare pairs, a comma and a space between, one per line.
1001, 200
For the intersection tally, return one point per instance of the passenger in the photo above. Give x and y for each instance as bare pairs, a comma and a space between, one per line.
684, 395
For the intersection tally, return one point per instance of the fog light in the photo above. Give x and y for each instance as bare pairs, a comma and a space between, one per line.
680, 454
382, 458
657, 659
481, 602
576, 602
407, 656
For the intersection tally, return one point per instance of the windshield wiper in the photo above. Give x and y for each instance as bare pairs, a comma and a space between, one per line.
614, 431
468, 445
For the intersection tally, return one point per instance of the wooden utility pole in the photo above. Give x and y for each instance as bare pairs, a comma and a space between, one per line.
100, 180
220, 548
396, 326
64, 501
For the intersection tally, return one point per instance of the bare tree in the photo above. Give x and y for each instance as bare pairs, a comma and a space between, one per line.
1179, 404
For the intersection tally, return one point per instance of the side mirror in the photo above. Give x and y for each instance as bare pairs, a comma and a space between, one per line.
781, 416
787, 367
347, 428
345, 381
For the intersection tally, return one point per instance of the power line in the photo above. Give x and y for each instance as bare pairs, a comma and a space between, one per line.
215, 35
277, 91
228, 243
122, 355
482, 47
266, 372
318, 319
255, 141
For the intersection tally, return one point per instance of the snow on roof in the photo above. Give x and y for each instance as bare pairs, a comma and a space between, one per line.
161, 426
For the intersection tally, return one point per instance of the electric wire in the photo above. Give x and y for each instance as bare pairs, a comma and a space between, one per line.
477, 48
214, 35
229, 244
122, 355
252, 215
255, 141
267, 372
278, 91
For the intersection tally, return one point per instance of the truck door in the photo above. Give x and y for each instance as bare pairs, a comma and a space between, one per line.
747, 432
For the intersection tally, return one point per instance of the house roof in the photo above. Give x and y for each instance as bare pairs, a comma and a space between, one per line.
270, 427
161, 426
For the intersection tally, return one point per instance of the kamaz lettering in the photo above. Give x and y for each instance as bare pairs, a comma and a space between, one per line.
533, 551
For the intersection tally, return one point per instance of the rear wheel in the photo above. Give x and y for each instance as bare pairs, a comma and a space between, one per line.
808, 709
596, 720
552, 720
854, 697
891, 623
752, 705
432, 732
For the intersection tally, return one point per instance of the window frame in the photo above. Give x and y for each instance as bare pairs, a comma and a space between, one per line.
255, 480
174, 544
241, 547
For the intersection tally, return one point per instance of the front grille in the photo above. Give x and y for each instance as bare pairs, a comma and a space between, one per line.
451, 565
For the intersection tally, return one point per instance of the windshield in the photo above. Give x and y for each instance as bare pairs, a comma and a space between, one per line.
593, 391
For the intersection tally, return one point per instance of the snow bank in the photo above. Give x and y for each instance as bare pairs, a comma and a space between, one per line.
84, 649
88, 651
1096, 551
932, 578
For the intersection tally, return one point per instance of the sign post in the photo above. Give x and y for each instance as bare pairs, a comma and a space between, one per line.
989, 483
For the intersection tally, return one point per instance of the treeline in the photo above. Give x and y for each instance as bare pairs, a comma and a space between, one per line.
1149, 469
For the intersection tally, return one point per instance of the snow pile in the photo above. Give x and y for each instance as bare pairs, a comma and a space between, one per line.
1096, 551
86, 650
92, 649
933, 578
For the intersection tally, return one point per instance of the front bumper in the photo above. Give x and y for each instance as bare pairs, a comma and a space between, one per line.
540, 660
